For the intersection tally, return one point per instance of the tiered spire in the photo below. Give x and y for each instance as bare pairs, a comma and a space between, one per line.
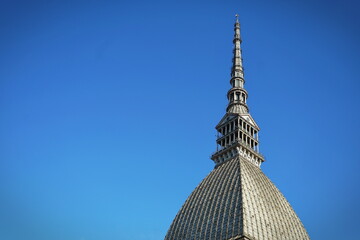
237, 130
237, 95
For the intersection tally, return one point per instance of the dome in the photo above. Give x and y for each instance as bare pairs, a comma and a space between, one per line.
236, 201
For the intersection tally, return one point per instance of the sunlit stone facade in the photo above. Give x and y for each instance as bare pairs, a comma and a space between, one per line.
236, 200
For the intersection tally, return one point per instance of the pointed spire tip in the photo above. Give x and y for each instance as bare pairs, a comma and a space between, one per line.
237, 17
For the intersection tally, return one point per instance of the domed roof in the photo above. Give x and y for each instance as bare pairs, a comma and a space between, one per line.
236, 201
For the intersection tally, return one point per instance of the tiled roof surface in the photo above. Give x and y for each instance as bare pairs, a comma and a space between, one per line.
235, 200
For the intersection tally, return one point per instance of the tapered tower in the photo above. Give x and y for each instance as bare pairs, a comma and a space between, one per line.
237, 131
236, 201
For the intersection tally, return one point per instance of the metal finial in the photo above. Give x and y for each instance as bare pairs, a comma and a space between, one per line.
237, 17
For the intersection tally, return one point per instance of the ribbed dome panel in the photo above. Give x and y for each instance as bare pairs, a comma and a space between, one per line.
266, 212
237, 108
213, 210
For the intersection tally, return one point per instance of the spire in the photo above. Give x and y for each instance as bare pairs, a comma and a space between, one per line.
237, 131
237, 95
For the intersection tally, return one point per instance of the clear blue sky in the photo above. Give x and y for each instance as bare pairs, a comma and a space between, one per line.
108, 108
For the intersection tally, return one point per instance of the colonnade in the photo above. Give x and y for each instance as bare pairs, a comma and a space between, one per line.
238, 130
